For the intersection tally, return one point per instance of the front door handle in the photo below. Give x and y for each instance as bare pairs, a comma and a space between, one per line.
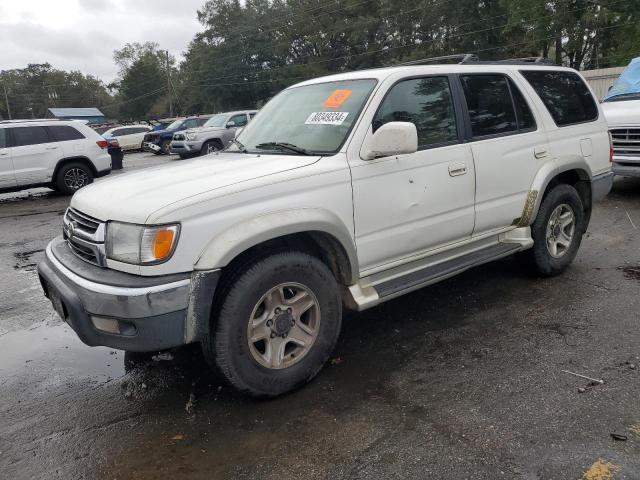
456, 169
540, 152
52, 148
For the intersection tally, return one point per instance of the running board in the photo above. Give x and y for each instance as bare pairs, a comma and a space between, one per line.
369, 295
443, 270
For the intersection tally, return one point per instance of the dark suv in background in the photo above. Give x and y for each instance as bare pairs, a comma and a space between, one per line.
159, 141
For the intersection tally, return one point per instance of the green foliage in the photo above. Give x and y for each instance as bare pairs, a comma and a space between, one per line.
34, 89
250, 50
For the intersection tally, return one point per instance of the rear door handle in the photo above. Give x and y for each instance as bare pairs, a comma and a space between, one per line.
540, 152
456, 169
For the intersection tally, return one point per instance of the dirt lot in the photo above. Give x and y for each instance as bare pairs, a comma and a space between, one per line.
462, 380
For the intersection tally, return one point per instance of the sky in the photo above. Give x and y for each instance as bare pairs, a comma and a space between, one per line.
82, 34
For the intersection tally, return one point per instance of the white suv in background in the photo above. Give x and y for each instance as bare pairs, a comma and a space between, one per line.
62, 155
129, 137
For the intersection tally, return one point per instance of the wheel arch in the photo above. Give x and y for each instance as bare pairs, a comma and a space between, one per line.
576, 173
82, 159
315, 230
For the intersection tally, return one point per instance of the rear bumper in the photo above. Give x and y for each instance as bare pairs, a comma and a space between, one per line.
601, 185
124, 311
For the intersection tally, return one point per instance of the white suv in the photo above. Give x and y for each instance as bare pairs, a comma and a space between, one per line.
63, 155
347, 190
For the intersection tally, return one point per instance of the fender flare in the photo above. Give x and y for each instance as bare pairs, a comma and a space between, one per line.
238, 238
548, 172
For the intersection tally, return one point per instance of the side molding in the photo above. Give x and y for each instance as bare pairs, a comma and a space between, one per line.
238, 238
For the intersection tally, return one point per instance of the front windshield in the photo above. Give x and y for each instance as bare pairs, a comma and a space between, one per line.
174, 125
315, 119
216, 121
627, 86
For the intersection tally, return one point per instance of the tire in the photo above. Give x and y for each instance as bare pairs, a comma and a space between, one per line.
209, 146
547, 229
72, 177
165, 148
245, 296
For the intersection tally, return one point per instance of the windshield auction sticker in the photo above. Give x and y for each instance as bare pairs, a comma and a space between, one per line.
326, 118
336, 98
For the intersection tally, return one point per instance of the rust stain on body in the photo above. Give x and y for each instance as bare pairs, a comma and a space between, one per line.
525, 219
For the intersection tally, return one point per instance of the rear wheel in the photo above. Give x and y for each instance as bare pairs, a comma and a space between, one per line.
72, 177
277, 324
557, 231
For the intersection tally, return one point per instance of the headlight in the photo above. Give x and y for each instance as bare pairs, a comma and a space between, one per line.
141, 245
191, 135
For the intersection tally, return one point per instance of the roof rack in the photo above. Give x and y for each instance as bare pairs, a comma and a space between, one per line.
463, 57
510, 61
473, 59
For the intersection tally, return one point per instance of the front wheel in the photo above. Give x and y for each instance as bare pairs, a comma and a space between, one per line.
556, 231
210, 146
277, 324
165, 147
72, 177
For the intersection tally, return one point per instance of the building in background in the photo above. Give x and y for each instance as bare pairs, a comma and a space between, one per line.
90, 115
602, 79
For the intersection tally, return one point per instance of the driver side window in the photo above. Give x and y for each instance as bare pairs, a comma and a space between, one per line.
425, 102
239, 120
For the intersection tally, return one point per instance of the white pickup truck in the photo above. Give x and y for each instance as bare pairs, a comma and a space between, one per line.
347, 190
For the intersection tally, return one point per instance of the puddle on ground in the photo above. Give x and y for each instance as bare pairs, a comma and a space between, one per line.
55, 354
631, 271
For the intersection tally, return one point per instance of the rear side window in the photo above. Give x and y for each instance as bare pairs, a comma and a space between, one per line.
23, 136
62, 133
489, 104
425, 102
565, 95
139, 130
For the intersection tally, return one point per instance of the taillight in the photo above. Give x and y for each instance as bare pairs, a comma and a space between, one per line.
610, 148
102, 143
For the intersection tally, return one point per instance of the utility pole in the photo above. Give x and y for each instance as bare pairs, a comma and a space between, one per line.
6, 100
169, 85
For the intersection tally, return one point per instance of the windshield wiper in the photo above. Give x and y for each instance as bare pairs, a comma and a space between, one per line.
283, 146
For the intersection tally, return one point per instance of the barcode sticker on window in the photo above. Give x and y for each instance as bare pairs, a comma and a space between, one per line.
326, 118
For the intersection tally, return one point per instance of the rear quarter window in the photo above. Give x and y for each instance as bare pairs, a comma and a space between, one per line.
565, 95
63, 133
3, 138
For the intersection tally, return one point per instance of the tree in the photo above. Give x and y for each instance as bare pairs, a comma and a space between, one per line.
34, 89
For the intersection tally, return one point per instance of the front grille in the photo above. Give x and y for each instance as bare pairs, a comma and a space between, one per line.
626, 142
178, 136
85, 236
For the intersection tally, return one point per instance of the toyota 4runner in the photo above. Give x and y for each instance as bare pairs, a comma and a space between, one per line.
347, 190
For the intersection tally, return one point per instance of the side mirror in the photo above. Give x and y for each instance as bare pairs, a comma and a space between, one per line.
393, 138
230, 124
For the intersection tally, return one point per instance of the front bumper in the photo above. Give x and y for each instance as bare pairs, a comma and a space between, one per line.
181, 147
601, 185
124, 311
151, 147
626, 166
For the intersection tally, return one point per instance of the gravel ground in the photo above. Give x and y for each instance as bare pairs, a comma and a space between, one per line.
461, 380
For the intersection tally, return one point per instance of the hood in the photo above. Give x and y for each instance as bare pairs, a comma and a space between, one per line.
622, 113
133, 197
206, 129
163, 131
